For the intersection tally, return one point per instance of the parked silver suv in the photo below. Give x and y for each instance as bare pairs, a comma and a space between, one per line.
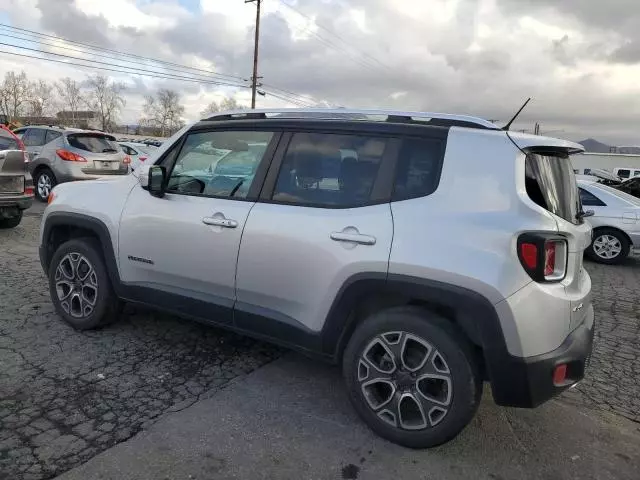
425, 253
65, 154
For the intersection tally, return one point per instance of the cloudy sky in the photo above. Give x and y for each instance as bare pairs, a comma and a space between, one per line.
578, 59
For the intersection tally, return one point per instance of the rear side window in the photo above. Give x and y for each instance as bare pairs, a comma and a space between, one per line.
52, 135
93, 143
550, 183
329, 170
590, 200
418, 170
34, 137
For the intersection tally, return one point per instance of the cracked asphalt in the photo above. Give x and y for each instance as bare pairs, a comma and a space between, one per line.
66, 396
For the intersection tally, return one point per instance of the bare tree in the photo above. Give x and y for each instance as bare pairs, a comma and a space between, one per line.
164, 111
105, 97
14, 94
41, 98
70, 96
227, 103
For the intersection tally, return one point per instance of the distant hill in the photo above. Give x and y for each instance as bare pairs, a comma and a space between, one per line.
594, 146
591, 145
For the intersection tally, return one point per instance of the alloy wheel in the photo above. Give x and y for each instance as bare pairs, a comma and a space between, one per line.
44, 185
607, 247
76, 284
405, 381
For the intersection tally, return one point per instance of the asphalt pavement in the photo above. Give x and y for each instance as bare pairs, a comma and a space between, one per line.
155, 396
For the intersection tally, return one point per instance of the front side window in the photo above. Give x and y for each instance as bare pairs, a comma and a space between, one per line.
34, 137
623, 173
590, 200
329, 170
218, 164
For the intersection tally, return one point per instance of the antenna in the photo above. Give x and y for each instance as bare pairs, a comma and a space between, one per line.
506, 127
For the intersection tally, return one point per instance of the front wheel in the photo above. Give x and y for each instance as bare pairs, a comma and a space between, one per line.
79, 285
609, 246
11, 222
44, 181
411, 377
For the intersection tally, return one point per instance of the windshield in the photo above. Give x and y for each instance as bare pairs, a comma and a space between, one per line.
551, 183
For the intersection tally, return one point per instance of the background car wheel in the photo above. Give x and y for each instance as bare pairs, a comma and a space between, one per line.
44, 182
609, 246
412, 377
11, 222
80, 286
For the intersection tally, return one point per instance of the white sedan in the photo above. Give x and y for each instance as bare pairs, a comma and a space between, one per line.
138, 152
616, 221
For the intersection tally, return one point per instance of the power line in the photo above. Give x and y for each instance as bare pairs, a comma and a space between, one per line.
94, 54
158, 76
208, 74
94, 47
161, 76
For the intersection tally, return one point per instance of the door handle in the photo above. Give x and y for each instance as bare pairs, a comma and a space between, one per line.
220, 222
353, 238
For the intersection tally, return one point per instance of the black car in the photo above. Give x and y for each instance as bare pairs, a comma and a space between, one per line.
16, 188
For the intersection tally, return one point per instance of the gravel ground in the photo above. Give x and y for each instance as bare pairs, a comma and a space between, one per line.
66, 396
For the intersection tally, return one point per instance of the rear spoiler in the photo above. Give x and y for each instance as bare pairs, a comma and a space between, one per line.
526, 142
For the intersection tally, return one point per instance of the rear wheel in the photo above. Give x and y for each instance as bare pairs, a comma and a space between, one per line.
11, 222
609, 246
80, 287
411, 377
44, 182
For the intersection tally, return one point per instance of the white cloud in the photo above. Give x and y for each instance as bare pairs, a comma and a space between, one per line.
471, 56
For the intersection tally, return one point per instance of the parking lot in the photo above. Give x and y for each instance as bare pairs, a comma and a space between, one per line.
66, 396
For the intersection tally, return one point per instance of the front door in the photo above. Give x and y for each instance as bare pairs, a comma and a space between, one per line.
319, 227
180, 251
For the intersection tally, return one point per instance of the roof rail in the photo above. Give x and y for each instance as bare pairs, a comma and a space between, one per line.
427, 118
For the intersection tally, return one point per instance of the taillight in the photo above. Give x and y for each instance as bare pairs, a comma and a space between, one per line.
51, 197
544, 257
29, 191
25, 155
127, 160
70, 156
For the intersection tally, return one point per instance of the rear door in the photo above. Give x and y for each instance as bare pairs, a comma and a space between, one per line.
323, 216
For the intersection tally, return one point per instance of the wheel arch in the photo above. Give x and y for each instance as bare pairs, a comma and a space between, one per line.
471, 312
62, 226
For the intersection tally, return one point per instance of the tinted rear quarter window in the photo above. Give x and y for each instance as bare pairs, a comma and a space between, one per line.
93, 143
551, 183
590, 200
418, 169
52, 135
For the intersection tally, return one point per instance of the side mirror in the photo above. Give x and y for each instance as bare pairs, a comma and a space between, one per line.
157, 180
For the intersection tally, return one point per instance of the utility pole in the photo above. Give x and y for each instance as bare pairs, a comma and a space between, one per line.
254, 78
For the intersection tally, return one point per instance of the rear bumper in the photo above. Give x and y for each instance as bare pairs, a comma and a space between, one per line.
22, 202
528, 382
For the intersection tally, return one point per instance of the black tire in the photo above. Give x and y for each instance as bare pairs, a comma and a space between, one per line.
625, 246
465, 385
106, 305
11, 222
43, 172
